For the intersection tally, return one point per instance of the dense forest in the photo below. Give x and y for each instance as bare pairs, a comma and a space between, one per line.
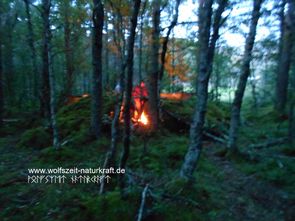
147, 110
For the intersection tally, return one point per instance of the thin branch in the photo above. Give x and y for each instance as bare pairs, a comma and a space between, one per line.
142, 204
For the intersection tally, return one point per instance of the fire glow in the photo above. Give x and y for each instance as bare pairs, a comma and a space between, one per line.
138, 110
143, 118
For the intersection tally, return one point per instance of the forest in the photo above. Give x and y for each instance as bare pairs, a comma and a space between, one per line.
147, 110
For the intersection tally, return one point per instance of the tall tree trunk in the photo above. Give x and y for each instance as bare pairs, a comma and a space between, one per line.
140, 50
33, 50
291, 126
106, 54
96, 101
68, 48
166, 40
141, 41
111, 154
55, 134
45, 97
128, 91
48, 72
154, 73
205, 61
291, 114
285, 54
9, 58
282, 23
1, 73
245, 72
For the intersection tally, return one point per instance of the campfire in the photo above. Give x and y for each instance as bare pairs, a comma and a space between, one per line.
139, 104
138, 109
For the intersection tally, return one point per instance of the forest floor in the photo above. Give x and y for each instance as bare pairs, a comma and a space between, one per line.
248, 198
257, 186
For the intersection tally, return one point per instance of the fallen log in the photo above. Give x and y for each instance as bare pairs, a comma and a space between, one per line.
215, 138
269, 143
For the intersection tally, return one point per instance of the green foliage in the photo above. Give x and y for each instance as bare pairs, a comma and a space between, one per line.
104, 207
171, 212
272, 170
73, 117
36, 138
183, 109
80, 137
265, 114
63, 154
217, 116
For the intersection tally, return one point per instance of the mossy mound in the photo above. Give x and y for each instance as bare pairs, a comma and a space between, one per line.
74, 119
177, 115
37, 138
183, 109
104, 207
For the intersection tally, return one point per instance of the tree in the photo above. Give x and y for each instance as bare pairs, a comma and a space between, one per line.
49, 90
166, 39
141, 41
55, 134
10, 21
66, 7
30, 39
285, 55
206, 51
96, 101
128, 90
154, 73
1, 72
245, 72
45, 97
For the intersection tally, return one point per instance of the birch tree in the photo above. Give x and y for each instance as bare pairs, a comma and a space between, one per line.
207, 42
245, 72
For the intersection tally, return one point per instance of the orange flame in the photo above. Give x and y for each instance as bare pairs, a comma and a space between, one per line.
143, 118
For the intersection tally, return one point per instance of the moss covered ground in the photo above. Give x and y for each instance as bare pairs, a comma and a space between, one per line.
258, 185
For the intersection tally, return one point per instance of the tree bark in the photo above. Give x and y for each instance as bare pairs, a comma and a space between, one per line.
10, 23
33, 50
154, 73
245, 72
55, 133
68, 48
291, 126
166, 40
1, 74
48, 73
206, 50
128, 90
96, 101
141, 42
45, 97
106, 54
285, 54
